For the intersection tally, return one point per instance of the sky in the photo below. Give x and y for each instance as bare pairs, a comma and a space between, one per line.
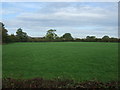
81, 19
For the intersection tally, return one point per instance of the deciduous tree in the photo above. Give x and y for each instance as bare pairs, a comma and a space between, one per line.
67, 36
51, 35
3, 33
22, 36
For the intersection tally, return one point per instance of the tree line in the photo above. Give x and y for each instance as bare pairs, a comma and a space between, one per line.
50, 36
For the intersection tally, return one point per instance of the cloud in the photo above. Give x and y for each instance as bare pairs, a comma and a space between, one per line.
69, 17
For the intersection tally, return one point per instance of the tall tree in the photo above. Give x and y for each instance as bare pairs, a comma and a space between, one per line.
90, 37
51, 35
105, 38
3, 33
12, 38
67, 36
22, 36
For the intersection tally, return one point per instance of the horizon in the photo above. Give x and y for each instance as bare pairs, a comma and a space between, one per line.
81, 19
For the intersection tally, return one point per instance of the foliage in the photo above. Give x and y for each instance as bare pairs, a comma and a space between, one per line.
91, 37
56, 83
22, 36
67, 36
106, 38
3, 33
12, 38
51, 34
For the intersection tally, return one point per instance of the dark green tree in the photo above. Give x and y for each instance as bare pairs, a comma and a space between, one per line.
3, 33
90, 38
67, 36
21, 36
105, 38
51, 35
12, 38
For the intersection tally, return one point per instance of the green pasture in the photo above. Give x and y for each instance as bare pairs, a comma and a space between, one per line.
72, 60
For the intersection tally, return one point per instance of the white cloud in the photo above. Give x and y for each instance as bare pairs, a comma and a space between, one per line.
68, 17
71, 17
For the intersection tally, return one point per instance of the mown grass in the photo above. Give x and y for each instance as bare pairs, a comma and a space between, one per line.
73, 60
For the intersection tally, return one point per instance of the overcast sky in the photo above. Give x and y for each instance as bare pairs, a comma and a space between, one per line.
78, 18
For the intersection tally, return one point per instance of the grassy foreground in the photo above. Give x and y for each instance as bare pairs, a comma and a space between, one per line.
73, 60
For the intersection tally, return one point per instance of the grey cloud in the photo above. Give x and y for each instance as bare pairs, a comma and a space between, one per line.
67, 16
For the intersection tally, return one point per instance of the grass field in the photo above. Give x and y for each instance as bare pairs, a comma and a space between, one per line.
74, 60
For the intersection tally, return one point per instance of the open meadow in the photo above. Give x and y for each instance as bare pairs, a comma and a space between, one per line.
73, 60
